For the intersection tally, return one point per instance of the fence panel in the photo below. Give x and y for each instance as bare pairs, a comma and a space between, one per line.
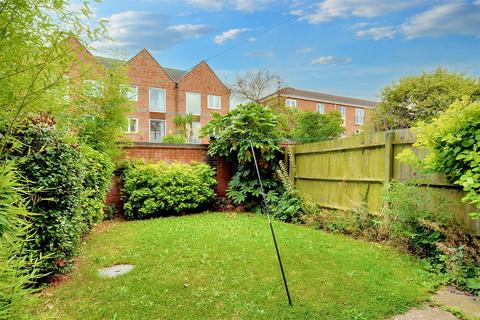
344, 173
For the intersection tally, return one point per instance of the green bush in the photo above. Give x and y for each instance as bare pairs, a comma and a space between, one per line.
174, 139
52, 171
314, 127
17, 268
66, 184
453, 141
161, 189
97, 176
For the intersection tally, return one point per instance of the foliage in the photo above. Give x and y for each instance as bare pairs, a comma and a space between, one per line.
285, 203
314, 126
51, 169
97, 176
17, 267
34, 58
162, 189
184, 127
233, 135
453, 140
421, 98
174, 139
417, 220
100, 120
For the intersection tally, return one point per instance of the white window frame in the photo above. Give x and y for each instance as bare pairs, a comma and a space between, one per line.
291, 103
150, 130
361, 117
199, 107
322, 105
96, 86
164, 109
131, 94
136, 125
344, 114
214, 97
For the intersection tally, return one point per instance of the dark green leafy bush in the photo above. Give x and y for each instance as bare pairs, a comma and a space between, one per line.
97, 176
161, 189
66, 185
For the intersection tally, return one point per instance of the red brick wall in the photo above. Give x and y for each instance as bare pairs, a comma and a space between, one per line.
171, 153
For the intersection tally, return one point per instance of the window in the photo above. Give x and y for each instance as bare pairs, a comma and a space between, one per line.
196, 126
194, 103
343, 112
157, 99
129, 92
214, 102
359, 117
132, 125
291, 103
93, 88
320, 108
157, 130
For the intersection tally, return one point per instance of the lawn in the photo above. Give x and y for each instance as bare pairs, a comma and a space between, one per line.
218, 266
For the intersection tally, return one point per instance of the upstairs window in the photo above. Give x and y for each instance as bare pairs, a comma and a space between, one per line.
214, 102
132, 125
129, 92
359, 117
193, 103
291, 103
157, 99
320, 108
93, 88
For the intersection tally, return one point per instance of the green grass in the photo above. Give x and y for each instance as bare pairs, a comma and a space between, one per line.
215, 266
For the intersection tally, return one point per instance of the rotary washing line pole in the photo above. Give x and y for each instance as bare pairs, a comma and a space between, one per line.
267, 209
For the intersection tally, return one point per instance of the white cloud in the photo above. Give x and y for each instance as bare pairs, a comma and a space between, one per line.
304, 50
377, 33
228, 35
451, 18
238, 5
133, 30
331, 60
330, 9
252, 39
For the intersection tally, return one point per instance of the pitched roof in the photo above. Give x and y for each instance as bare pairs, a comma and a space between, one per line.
325, 97
175, 74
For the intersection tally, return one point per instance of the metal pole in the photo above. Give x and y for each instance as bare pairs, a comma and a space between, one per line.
271, 226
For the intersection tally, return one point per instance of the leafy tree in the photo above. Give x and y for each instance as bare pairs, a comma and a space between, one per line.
313, 126
231, 135
421, 98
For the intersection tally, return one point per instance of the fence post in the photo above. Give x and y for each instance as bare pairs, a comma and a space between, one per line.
388, 156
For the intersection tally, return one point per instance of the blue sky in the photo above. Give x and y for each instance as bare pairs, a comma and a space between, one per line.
346, 47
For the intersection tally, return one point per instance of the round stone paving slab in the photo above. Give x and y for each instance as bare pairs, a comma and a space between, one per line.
115, 271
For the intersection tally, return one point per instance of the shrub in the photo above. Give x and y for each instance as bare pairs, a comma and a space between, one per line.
174, 139
66, 185
51, 168
453, 141
17, 267
97, 176
313, 126
161, 189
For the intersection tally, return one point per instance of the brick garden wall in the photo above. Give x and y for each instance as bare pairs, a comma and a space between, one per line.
171, 153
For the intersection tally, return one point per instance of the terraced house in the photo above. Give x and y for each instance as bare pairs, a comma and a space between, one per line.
354, 111
160, 93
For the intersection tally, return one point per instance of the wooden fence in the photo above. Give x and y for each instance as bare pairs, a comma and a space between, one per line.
343, 173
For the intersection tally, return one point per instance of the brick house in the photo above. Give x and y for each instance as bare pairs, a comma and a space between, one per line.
160, 93
354, 111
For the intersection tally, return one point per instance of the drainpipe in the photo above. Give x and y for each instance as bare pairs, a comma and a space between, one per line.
176, 98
